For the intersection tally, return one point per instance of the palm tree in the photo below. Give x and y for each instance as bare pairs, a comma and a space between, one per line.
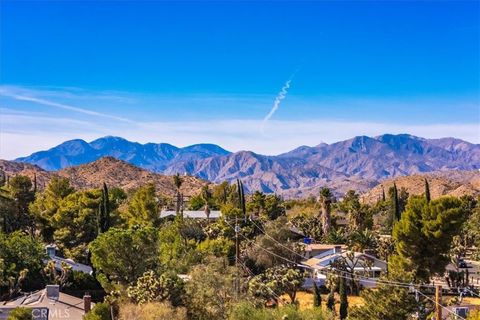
325, 203
177, 181
206, 196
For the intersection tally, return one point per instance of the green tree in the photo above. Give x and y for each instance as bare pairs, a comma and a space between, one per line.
427, 191
241, 197
385, 302
249, 311
143, 208
256, 205
331, 301
317, 297
21, 258
221, 193
273, 207
277, 241
104, 222
343, 299
218, 247
101, 311
21, 191
121, 256
395, 202
210, 291
20, 313
424, 235
75, 223
47, 203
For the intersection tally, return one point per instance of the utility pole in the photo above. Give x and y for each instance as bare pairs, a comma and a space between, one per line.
237, 256
438, 300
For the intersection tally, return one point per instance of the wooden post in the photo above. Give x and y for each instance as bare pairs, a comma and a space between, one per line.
438, 302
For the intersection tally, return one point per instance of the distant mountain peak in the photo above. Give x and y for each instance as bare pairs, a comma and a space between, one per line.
358, 163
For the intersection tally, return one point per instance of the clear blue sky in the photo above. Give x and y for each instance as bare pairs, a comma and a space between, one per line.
366, 66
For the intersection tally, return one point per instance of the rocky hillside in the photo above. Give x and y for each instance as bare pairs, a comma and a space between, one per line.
109, 170
359, 163
454, 183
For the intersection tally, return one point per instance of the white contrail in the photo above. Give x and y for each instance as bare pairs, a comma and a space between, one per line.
281, 95
44, 102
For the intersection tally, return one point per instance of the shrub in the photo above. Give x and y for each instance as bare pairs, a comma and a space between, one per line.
20, 313
151, 311
101, 311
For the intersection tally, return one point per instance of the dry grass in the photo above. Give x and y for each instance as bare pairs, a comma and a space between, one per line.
305, 300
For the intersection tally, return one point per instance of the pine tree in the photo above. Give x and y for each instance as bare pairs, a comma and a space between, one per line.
317, 298
427, 191
343, 299
383, 194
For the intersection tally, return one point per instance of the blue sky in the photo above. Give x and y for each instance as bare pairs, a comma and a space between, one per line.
189, 72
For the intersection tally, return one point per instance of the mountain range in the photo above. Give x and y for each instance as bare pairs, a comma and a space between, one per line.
359, 163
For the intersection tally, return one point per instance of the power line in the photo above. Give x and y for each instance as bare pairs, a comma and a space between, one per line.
269, 236
353, 276
402, 286
266, 250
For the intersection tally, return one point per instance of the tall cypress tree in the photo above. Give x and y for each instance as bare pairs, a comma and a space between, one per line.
427, 190
331, 301
383, 194
395, 204
343, 299
241, 197
317, 298
34, 183
104, 211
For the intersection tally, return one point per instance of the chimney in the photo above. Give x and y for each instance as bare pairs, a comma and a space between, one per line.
370, 252
50, 250
337, 249
87, 302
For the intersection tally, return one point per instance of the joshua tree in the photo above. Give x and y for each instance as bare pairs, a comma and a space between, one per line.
325, 203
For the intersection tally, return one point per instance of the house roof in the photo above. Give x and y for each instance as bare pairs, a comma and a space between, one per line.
200, 214
321, 261
322, 246
66, 307
74, 265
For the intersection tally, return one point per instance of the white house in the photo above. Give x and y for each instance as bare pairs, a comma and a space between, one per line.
51, 252
200, 214
365, 267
